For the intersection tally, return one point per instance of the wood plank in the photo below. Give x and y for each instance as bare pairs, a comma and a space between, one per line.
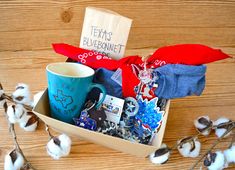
47, 14
211, 22
29, 27
153, 38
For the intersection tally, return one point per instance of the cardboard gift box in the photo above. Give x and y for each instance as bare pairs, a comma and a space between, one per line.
42, 110
118, 28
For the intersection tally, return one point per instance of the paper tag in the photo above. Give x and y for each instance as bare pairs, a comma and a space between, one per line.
117, 76
105, 32
113, 107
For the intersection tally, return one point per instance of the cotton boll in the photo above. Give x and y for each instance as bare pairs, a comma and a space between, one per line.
15, 112
29, 128
1, 92
220, 132
194, 153
202, 123
161, 155
53, 148
2, 100
28, 122
221, 120
22, 94
215, 161
65, 144
36, 98
191, 148
221, 128
59, 146
13, 161
1, 95
230, 154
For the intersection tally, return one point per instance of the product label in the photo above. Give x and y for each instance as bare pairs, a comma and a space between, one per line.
113, 107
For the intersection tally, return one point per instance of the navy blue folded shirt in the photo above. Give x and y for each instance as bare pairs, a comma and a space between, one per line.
103, 76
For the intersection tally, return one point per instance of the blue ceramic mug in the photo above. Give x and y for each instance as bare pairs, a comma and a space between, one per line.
68, 86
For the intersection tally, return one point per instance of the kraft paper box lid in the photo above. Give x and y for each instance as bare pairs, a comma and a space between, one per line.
43, 112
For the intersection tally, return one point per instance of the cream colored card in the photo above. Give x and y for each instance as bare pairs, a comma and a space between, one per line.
105, 32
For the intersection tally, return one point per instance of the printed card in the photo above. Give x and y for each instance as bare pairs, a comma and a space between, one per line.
113, 107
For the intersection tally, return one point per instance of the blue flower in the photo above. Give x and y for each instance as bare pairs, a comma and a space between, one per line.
149, 113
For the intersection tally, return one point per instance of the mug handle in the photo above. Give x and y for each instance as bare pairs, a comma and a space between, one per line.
103, 90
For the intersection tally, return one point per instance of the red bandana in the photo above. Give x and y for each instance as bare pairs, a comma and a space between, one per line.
190, 54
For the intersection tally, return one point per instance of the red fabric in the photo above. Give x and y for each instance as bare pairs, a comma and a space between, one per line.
190, 54
87, 57
129, 81
96, 60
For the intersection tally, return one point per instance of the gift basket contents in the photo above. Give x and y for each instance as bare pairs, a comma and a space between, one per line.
132, 93
103, 91
120, 101
93, 100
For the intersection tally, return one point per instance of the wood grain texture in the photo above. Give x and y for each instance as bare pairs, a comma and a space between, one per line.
31, 25
28, 27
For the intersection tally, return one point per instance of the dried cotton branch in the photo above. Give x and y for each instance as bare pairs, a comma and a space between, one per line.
215, 143
13, 159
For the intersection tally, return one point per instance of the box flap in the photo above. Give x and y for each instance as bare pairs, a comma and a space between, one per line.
42, 111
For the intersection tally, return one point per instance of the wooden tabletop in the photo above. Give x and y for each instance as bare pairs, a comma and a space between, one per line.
27, 28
